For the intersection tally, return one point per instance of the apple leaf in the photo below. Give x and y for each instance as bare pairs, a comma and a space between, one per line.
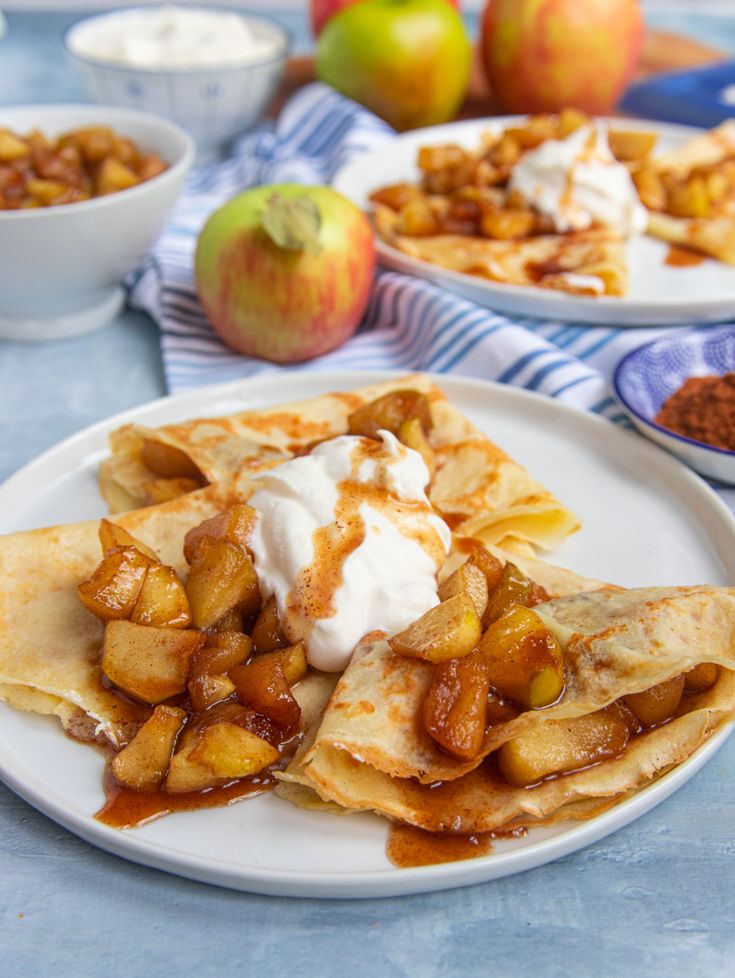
293, 223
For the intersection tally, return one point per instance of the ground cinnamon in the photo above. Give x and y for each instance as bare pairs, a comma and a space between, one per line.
704, 409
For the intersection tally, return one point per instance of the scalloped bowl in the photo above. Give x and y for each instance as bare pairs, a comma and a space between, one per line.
646, 377
213, 104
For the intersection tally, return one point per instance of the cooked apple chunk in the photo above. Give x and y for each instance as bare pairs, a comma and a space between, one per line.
657, 704
150, 664
560, 746
630, 145
524, 659
447, 631
262, 685
208, 683
701, 677
512, 588
222, 576
233, 524
111, 535
488, 563
157, 491
112, 590
294, 663
467, 579
225, 650
231, 621
389, 412
455, 708
266, 632
169, 462
206, 689
411, 433
162, 600
222, 752
143, 763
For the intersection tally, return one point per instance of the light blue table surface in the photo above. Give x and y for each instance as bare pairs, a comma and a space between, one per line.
655, 899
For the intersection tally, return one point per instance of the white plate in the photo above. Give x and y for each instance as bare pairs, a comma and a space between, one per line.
647, 520
659, 294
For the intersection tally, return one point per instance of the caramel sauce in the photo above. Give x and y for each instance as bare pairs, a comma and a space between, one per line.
682, 257
538, 270
408, 846
127, 809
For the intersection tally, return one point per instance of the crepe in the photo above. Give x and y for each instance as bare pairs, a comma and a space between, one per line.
582, 263
694, 169
371, 751
478, 488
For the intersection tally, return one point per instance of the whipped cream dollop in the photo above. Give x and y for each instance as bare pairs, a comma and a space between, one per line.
171, 37
347, 541
577, 182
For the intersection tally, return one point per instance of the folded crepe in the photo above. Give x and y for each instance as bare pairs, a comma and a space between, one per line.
478, 488
584, 262
372, 752
714, 234
49, 642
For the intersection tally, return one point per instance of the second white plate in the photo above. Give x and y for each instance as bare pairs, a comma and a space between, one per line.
646, 520
659, 294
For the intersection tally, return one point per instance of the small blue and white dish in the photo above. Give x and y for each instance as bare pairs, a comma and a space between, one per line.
646, 377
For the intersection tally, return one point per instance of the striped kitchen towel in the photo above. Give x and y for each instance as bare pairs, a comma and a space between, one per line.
409, 324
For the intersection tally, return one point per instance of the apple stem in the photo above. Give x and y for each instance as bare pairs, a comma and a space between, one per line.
292, 223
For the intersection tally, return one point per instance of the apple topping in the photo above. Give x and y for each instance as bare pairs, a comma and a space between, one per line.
262, 685
657, 704
157, 491
524, 658
389, 412
113, 589
231, 621
411, 433
150, 664
111, 535
266, 633
490, 566
169, 462
208, 680
220, 753
294, 663
162, 600
450, 630
219, 715
560, 746
143, 763
456, 705
470, 580
701, 677
221, 577
513, 588
233, 524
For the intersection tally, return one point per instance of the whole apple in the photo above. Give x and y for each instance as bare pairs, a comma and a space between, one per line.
543, 55
284, 271
322, 10
407, 60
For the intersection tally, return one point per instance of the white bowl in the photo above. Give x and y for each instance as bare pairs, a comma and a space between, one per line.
61, 267
650, 374
213, 104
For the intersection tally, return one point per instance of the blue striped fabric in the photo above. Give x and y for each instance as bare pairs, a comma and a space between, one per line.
409, 323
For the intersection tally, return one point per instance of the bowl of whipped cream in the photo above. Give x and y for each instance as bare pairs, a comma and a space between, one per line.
212, 70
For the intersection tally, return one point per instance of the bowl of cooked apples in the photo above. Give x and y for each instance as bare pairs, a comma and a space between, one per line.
84, 193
